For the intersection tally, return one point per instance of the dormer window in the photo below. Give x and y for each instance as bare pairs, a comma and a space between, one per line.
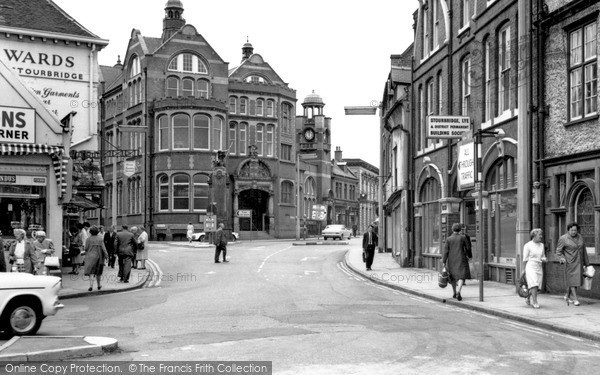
187, 63
255, 79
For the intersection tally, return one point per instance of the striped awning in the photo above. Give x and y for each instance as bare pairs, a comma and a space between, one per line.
57, 153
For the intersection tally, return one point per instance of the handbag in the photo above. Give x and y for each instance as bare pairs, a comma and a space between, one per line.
443, 278
364, 257
140, 246
74, 250
523, 290
52, 261
589, 271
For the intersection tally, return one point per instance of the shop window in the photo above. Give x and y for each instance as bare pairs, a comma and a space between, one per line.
584, 216
501, 184
429, 197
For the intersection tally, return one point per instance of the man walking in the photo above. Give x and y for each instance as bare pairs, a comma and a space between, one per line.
109, 243
369, 244
125, 247
221, 244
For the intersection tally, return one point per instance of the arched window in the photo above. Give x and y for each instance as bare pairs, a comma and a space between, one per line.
163, 186
501, 184
187, 63
504, 62
287, 192
173, 87
203, 89
201, 132
218, 134
232, 104
430, 230
243, 138
232, 138
255, 79
260, 130
181, 132
584, 216
181, 192
269, 140
260, 104
270, 106
134, 67
187, 87
200, 192
163, 133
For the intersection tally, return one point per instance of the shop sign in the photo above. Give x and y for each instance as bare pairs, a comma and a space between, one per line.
17, 125
466, 165
8, 179
59, 75
129, 168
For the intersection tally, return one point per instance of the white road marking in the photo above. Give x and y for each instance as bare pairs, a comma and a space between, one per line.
539, 331
309, 272
157, 276
210, 272
163, 251
267, 258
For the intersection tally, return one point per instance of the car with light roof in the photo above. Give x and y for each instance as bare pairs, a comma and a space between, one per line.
25, 300
203, 236
334, 231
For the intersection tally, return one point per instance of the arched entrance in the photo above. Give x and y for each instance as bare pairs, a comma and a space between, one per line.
258, 202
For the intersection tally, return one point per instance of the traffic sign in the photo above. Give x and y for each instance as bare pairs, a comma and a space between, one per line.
243, 213
210, 223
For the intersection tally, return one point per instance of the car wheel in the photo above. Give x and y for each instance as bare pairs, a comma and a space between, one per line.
23, 317
201, 238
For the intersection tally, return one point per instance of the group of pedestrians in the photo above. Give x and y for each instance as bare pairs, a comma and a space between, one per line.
570, 251
26, 255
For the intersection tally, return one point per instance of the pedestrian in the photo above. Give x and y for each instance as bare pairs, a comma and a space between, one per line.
2, 255
463, 231
125, 247
190, 231
21, 254
370, 241
571, 252
534, 255
76, 247
85, 231
354, 229
221, 244
456, 260
95, 257
134, 230
109, 244
43, 247
142, 247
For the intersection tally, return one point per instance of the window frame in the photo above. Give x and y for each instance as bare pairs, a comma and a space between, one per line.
465, 92
174, 129
582, 65
183, 185
196, 128
504, 54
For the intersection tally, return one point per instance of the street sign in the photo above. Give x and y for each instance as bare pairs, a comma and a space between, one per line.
445, 127
319, 212
129, 168
243, 213
307, 156
210, 223
466, 165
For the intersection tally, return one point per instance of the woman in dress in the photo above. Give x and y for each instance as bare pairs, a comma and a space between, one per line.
571, 251
142, 248
95, 256
21, 254
533, 257
190, 231
43, 248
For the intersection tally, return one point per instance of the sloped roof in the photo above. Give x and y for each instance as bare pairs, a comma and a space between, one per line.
41, 15
108, 74
401, 74
250, 65
152, 43
337, 171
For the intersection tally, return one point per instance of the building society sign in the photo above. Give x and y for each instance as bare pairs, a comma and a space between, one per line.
17, 125
442, 127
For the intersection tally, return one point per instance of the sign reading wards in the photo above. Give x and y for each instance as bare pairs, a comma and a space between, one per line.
17, 125
444, 127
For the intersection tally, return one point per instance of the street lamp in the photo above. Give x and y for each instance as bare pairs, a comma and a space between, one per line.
479, 135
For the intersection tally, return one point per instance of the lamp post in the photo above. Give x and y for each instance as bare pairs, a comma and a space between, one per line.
479, 135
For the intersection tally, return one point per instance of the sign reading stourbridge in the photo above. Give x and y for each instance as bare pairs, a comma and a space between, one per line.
445, 127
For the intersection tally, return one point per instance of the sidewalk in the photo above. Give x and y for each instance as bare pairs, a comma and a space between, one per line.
47, 348
499, 299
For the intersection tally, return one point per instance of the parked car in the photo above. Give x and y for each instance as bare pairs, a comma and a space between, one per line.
25, 300
336, 231
202, 236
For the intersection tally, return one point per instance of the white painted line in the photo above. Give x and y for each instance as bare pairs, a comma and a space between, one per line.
156, 279
163, 251
307, 258
309, 272
267, 258
210, 272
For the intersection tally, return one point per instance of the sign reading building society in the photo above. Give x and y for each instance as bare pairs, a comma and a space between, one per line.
447, 126
466, 165
17, 125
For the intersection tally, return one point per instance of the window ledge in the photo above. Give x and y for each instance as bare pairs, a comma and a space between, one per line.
463, 30
582, 120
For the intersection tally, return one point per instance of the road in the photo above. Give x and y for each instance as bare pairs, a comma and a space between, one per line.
300, 307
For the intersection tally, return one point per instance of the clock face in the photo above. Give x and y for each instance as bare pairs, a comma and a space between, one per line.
309, 134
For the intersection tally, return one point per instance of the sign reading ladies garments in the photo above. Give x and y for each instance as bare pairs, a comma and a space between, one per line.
57, 73
17, 125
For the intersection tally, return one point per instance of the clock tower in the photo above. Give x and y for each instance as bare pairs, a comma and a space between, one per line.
313, 140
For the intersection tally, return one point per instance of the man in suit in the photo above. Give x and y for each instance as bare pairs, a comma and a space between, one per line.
125, 247
109, 243
370, 241
221, 244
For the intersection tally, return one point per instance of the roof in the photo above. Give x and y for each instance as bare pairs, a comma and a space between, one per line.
352, 163
337, 171
41, 15
108, 74
401, 75
151, 43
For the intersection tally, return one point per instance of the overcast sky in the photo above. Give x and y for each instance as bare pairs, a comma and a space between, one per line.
339, 49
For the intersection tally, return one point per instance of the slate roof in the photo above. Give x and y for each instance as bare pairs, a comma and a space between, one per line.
151, 43
338, 171
40, 15
109, 74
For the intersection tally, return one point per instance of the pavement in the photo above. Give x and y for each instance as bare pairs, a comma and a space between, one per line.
498, 299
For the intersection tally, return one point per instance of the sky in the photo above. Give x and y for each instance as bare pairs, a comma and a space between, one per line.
341, 50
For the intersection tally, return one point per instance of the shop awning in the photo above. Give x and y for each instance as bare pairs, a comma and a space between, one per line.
59, 159
83, 203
